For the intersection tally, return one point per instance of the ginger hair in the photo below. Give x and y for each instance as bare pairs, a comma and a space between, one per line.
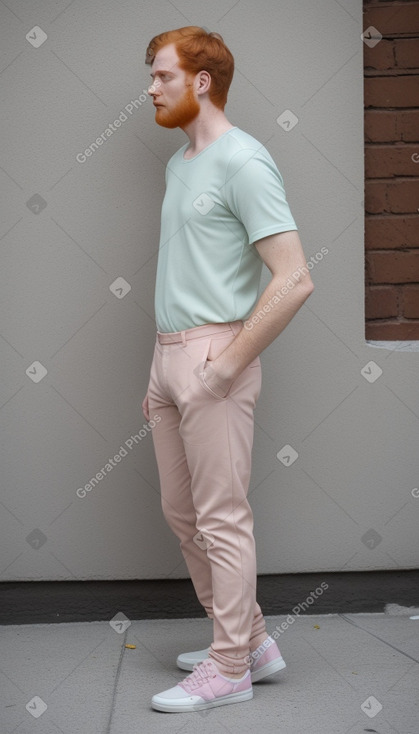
199, 50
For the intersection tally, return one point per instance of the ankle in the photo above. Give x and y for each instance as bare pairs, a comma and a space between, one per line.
256, 641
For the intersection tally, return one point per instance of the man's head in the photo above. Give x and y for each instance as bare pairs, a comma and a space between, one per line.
189, 67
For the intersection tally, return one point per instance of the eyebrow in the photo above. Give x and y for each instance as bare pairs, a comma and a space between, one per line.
162, 71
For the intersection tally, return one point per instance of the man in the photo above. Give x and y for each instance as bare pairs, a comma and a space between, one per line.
224, 214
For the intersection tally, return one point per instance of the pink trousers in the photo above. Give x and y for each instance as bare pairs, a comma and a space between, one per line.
203, 443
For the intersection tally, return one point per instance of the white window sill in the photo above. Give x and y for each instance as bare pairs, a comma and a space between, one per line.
398, 346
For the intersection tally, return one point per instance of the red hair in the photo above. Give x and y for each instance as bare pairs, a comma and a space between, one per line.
199, 50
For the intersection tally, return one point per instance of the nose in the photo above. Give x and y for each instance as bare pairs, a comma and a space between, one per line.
153, 87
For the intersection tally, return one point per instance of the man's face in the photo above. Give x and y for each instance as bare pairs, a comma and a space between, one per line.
173, 90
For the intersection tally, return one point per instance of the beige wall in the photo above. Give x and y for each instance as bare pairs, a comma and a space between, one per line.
356, 438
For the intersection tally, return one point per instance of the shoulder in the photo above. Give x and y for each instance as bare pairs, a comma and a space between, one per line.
245, 139
250, 151
239, 141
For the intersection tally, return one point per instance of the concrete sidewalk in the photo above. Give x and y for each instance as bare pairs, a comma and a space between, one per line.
345, 674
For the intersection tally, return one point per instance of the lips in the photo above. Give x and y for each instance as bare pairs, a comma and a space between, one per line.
158, 105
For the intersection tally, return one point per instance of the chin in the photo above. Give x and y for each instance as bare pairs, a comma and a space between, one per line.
180, 116
167, 123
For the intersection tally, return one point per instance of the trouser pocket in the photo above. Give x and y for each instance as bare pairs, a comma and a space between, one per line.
210, 381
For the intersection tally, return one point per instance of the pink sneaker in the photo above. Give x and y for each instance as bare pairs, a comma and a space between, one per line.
205, 688
266, 660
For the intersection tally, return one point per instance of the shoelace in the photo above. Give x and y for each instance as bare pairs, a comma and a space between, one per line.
202, 672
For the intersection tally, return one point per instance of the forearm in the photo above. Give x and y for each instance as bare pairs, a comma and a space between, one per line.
275, 308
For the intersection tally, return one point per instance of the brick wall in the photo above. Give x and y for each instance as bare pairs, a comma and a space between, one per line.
391, 100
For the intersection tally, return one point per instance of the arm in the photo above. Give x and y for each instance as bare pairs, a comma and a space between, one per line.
283, 254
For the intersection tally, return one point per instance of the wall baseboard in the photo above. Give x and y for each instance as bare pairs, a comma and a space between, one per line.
40, 602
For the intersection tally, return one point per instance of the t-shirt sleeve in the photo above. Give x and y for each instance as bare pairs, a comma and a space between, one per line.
254, 192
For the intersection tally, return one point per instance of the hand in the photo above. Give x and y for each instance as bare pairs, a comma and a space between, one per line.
217, 380
145, 408
221, 366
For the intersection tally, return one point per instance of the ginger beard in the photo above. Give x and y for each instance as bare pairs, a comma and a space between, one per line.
184, 112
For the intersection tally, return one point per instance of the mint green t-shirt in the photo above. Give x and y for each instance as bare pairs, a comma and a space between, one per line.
216, 205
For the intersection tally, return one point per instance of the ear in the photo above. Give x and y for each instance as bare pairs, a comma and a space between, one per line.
203, 82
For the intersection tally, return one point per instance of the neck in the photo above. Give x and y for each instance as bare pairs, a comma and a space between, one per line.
206, 128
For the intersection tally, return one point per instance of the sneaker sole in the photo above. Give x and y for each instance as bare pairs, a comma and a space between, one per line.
222, 701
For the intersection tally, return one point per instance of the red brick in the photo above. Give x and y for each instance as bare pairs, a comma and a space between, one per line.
403, 196
391, 232
391, 80
381, 302
392, 330
382, 161
406, 51
393, 19
410, 301
393, 266
380, 56
398, 197
375, 197
391, 91
408, 125
380, 126
386, 126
